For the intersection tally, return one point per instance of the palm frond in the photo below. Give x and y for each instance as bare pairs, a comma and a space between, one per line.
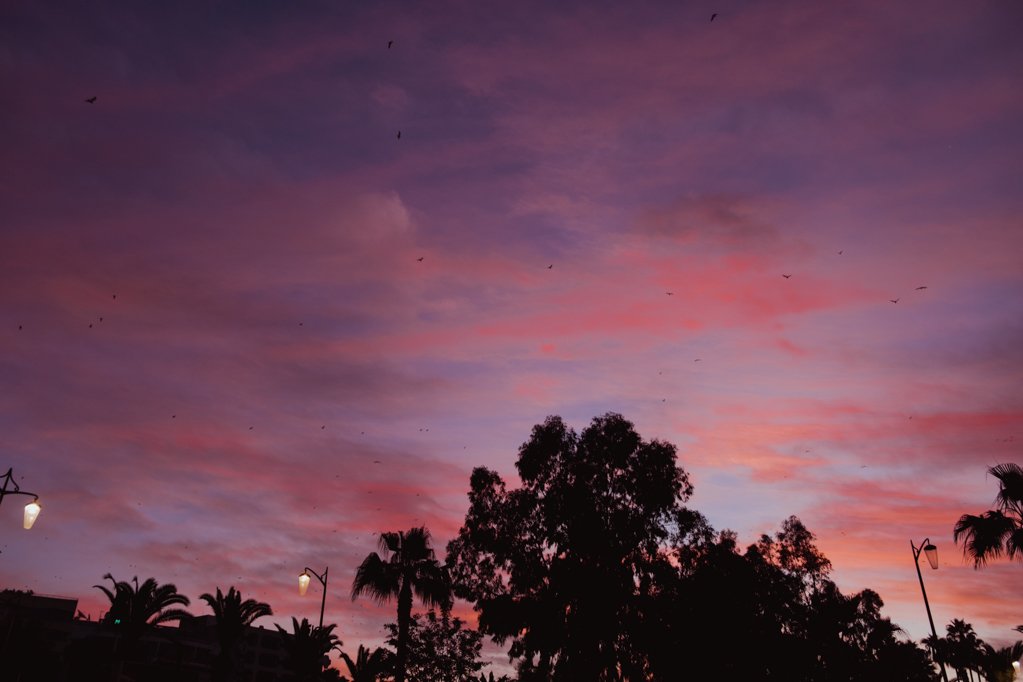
170, 615
376, 578
983, 536
390, 542
432, 585
1010, 493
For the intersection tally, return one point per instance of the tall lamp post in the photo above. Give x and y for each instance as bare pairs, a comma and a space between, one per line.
932, 558
32, 509
303, 585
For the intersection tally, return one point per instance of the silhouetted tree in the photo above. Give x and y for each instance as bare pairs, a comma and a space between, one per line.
997, 663
440, 649
410, 569
491, 678
136, 609
1000, 530
368, 667
308, 648
563, 565
595, 571
960, 648
233, 617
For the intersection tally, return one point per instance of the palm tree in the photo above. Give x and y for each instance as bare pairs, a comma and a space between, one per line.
307, 647
411, 568
998, 530
134, 609
965, 650
368, 667
998, 662
233, 616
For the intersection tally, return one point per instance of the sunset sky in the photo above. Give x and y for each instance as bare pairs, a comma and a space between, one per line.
228, 288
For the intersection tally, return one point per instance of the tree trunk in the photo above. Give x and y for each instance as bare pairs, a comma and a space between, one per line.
404, 617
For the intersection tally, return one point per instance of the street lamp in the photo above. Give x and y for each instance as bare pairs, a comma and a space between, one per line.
32, 509
303, 585
932, 558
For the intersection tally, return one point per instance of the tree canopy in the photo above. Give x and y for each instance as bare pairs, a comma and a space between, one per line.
997, 531
562, 564
594, 569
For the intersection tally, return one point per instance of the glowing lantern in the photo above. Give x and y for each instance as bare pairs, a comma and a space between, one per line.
32, 510
303, 583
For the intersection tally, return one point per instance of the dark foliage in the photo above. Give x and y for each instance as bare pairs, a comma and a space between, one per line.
308, 647
594, 570
407, 568
369, 666
997, 531
233, 617
440, 648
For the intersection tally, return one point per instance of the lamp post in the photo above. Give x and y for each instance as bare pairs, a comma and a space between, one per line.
303, 585
32, 509
932, 558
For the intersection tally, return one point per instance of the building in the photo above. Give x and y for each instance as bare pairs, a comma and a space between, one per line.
43, 640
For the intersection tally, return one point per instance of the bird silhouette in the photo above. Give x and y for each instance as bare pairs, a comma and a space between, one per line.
389, 43
91, 100
841, 252
786, 276
115, 297
670, 293
551, 266
894, 300
713, 16
920, 288
399, 134
420, 259
19, 326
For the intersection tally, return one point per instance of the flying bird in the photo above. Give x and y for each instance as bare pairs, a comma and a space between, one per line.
91, 100
399, 134
786, 276
420, 259
389, 43
894, 300
713, 16
670, 293
840, 252
551, 266
920, 288
115, 297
